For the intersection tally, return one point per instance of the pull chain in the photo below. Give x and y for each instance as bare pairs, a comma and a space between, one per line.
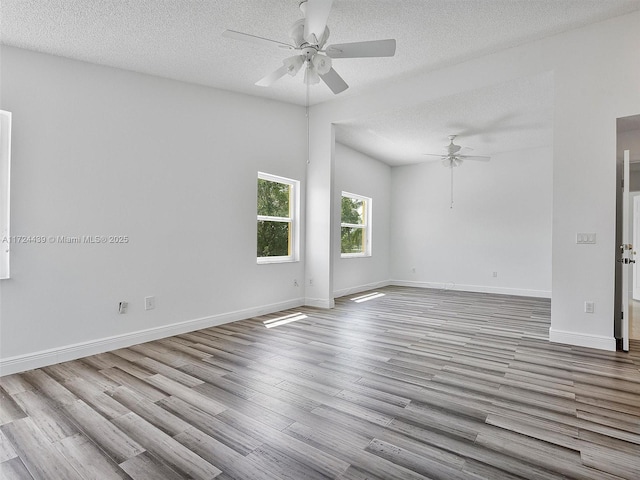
451, 168
308, 128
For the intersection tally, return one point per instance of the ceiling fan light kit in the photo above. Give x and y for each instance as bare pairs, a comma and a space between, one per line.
309, 36
293, 64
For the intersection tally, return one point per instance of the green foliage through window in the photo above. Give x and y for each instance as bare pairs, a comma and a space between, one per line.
354, 228
273, 239
352, 240
275, 222
273, 198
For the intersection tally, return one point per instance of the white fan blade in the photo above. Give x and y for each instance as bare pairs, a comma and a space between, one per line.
334, 81
246, 37
316, 13
297, 32
443, 156
479, 158
373, 48
273, 77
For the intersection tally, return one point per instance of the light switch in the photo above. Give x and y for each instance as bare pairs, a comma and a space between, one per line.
586, 238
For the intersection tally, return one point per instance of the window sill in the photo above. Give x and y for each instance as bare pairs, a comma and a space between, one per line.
355, 255
270, 260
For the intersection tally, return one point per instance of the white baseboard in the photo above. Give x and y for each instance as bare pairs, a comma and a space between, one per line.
360, 288
521, 292
29, 361
582, 339
319, 302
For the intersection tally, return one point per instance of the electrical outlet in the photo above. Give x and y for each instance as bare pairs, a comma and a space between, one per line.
495, 274
311, 282
589, 307
149, 303
295, 282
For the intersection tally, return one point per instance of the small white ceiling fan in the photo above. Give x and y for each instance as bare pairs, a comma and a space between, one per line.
309, 36
453, 158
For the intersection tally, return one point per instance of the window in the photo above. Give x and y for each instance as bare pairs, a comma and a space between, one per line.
277, 219
355, 231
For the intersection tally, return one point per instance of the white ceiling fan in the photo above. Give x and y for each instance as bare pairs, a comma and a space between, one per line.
309, 36
452, 157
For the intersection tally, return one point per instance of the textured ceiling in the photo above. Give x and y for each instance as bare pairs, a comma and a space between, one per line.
181, 39
515, 115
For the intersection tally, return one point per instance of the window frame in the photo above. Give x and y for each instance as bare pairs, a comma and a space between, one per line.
292, 219
366, 226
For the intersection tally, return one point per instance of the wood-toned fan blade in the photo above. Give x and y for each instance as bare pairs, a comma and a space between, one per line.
246, 37
479, 158
316, 13
334, 81
273, 77
373, 48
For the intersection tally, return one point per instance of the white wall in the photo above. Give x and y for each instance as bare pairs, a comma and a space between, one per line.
597, 84
100, 151
596, 76
357, 173
500, 222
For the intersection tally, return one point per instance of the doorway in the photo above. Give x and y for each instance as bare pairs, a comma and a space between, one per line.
634, 271
628, 138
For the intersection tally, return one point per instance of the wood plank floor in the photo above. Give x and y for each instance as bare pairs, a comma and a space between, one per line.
414, 384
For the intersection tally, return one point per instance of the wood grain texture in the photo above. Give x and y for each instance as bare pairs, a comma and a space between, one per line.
416, 384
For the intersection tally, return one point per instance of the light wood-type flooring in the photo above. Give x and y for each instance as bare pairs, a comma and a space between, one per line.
411, 385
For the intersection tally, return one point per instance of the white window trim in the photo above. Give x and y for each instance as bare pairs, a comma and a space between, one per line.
367, 226
293, 219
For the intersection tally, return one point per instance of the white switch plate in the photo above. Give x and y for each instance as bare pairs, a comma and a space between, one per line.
586, 238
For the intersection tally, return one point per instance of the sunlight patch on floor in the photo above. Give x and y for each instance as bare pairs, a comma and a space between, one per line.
274, 322
369, 296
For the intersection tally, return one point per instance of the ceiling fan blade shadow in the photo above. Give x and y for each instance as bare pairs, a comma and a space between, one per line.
499, 124
334, 81
273, 77
316, 13
247, 37
462, 129
373, 48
